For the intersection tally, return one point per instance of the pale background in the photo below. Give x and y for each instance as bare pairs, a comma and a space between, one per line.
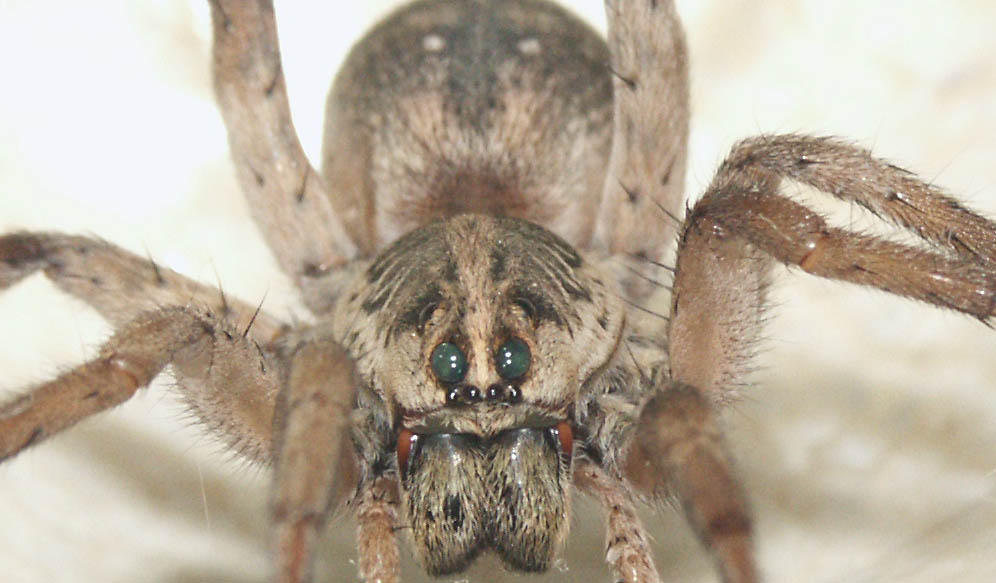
867, 445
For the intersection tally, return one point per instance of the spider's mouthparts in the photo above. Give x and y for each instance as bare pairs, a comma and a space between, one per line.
464, 493
559, 437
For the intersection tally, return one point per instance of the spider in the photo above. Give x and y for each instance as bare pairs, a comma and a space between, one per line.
527, 305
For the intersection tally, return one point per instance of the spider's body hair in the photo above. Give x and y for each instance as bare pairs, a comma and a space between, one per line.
477, 280
481, 341
469, 131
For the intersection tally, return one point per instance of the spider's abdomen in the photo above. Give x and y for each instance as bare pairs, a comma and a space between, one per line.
455, 106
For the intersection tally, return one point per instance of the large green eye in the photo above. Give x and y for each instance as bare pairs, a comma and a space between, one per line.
449, 363
512, 359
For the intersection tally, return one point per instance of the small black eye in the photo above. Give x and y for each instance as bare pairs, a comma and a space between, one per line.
527, 307
425, 314
512, 359
449, 363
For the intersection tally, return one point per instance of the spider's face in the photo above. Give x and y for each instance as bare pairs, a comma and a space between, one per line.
477, 321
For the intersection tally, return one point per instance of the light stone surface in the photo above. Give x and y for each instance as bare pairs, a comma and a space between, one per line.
867, 443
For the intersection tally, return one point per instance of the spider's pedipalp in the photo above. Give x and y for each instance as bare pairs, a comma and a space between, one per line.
315, 468
677, 450
627, 545
377, 522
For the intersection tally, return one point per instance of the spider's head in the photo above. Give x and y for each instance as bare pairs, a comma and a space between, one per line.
478, 333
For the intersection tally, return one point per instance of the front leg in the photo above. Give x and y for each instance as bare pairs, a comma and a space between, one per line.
729, 241
119, 284
289, 200
677, 451
230, 385
315, 466
743, 223
646, 171
224, 371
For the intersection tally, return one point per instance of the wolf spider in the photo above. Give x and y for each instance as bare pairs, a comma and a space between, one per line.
454, 343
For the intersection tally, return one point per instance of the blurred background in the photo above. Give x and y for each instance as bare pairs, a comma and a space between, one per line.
867, 444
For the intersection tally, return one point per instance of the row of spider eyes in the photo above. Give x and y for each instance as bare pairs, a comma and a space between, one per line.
512, 360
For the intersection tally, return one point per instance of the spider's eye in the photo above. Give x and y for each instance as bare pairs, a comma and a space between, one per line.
449, 363
527, 307
512, 359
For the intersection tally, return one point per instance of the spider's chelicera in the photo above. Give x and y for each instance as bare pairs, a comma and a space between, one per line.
483, 252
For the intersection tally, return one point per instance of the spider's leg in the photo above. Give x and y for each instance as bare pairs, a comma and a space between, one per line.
377, 521
119, 284
288, 199
646, 172
852, 174
315, 466
226, 367
627, 546
730, 239
230, 384
742, 222
677, 451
